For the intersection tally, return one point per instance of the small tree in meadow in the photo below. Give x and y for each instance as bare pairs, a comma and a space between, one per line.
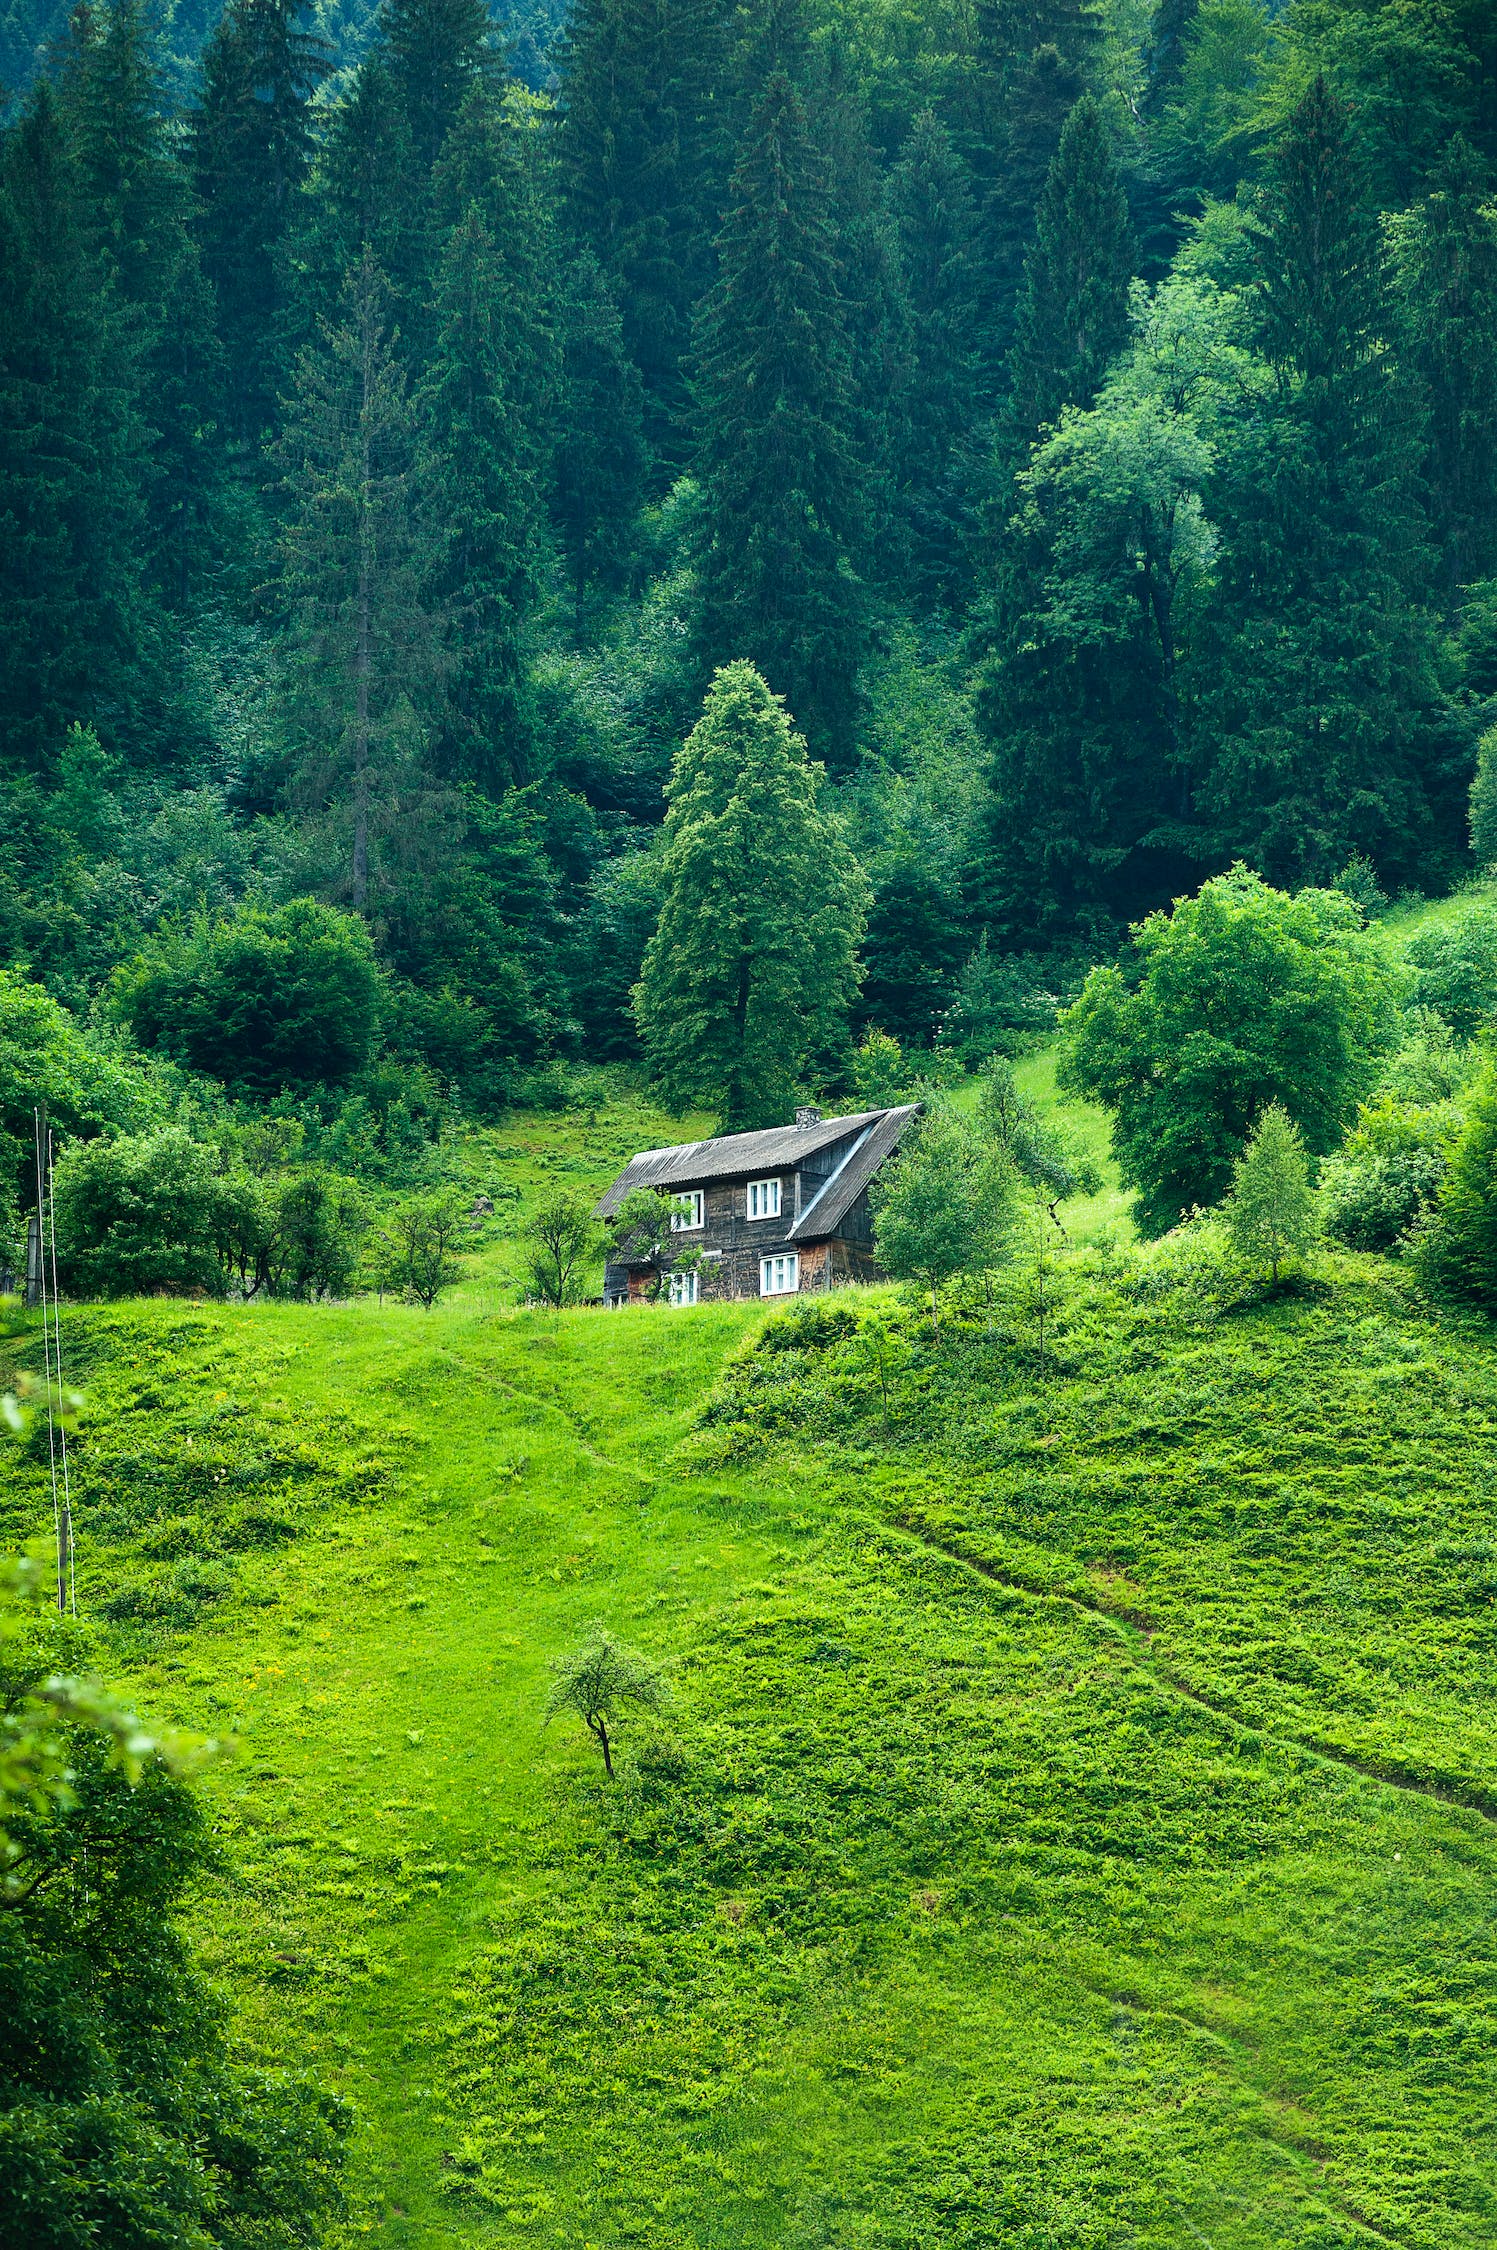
417, 1249
1272, 1211
561, 1235
596, 1680
943, 1208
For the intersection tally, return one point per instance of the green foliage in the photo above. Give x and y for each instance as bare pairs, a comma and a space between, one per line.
597, 1680
271, 998
1242, 997
881, 1075
416, 1247
780, 486
1271, 1211
1386, 1178
1483, 816
562, 1237
85, 1083
747, 980
1460, 1246
645, 1231
1455, 968
1038, 1149
944, 1207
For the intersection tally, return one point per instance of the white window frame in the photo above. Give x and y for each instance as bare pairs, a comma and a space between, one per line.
763, 1199
680, 1223
779, 1274
683, 1288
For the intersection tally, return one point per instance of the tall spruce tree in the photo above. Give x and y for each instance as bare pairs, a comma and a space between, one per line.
934, 208
250, 144
780, 512
434, 50
1327, 736
600, 452
644, 153
362, 194
74, 467
135, 198
364, 649
1073, 307
751, 971
1445, 272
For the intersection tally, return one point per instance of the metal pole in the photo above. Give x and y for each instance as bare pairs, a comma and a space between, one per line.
62, 1427
39, 1124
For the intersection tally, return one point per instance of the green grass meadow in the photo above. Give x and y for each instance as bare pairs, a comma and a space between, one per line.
1073, 1828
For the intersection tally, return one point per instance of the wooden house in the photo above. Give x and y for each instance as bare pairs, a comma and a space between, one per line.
772, 1213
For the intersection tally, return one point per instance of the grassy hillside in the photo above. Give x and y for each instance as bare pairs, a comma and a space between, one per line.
1073, 1828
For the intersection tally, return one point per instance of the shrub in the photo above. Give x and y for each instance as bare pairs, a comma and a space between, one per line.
271, 999
1455, 968
47, 1059
415, 1251
1242, 996
1459, 1248
1388, 1176
142, 1213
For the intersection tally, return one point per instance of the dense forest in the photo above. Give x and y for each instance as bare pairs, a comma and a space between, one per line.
1084, 419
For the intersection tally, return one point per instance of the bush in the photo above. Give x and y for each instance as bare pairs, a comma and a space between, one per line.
138, 1214
1001, 1001
1459, 1247
1242, 996
1456, 969
1387, 1177
272, 999
46, 1059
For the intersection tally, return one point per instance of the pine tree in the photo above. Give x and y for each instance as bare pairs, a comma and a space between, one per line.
485, 482
932, 199
600, 453
1271, 1210
362, 194
434, 51
250, 144
136, 196
780, 498
1325, 734
73, 454
1073, 307
752, 968
644, 159
1445, 271
364, 649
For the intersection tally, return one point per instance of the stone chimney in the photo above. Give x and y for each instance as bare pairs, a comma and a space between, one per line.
807, 1116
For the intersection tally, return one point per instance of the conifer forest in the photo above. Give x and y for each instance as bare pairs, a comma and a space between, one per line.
581, 577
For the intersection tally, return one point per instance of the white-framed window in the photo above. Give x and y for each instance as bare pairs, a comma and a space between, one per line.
779, 1276
683, 1288
764, 1199
684, 1222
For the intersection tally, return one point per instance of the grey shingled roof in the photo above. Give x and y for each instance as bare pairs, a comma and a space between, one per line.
836, 1199
732, 1156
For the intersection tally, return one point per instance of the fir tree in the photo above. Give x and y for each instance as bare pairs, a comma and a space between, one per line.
1271, 1210
434, 50
644, 160
362, 195
780, 502
932, 200
600, 455
73, 454
752, 968
363, 646
1445, 271
137, 199
250, 144
1073, 307
1325, 738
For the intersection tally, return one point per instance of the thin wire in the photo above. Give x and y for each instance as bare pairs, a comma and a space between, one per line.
41, 1272
62, 1427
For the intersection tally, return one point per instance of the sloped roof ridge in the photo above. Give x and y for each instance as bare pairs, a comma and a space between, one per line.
731, 1155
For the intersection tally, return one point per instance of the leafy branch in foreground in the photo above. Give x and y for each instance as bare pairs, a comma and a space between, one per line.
597, 1679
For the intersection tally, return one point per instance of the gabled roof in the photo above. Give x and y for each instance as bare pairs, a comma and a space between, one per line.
783, 1148
879, 1140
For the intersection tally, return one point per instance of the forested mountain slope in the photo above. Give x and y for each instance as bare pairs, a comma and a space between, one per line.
1072, 1823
